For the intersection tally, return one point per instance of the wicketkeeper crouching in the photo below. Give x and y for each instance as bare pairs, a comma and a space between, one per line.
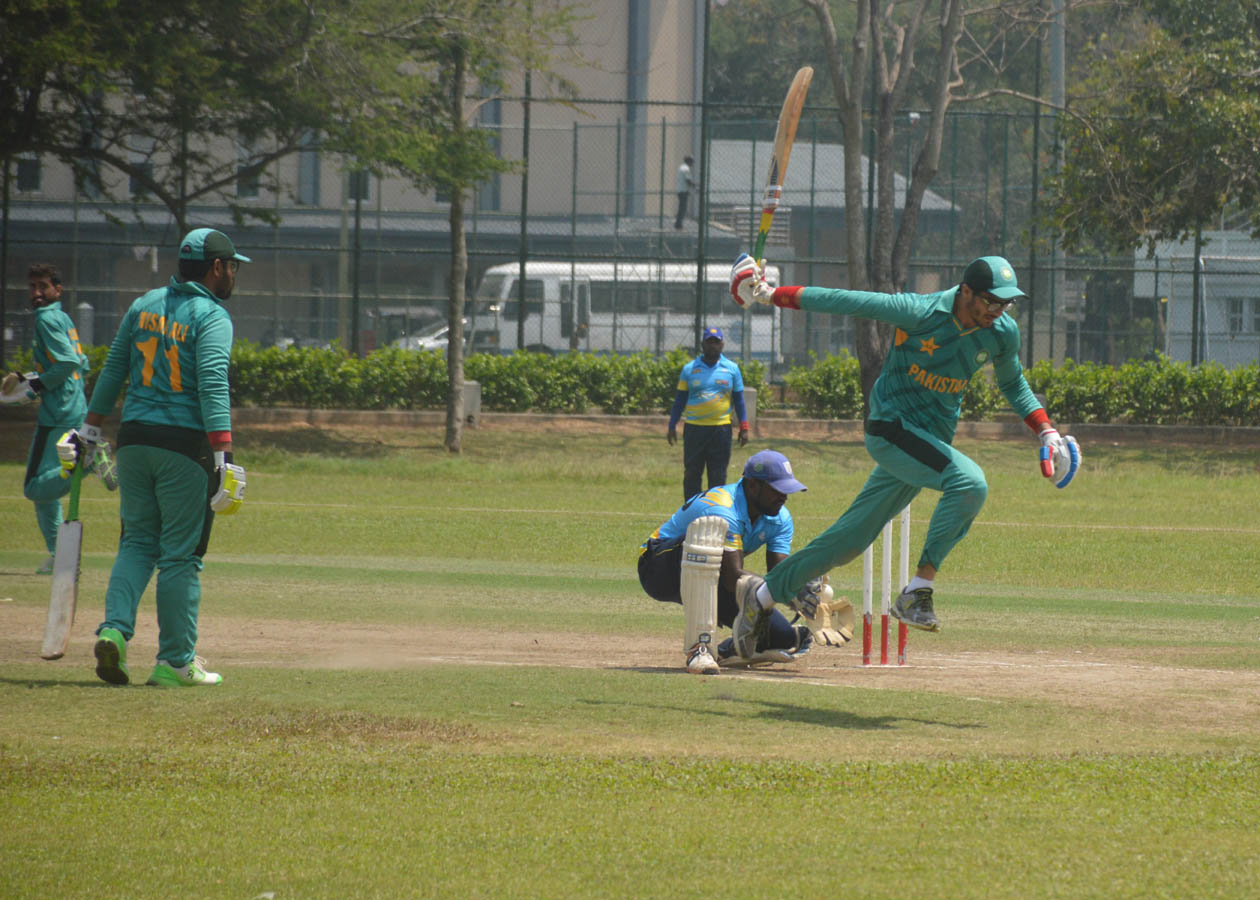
696, 558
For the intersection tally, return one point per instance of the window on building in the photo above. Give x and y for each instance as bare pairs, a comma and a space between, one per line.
360, 185
248, 184
308, 173
28, 173
140, 156
1235, 305
1255, 315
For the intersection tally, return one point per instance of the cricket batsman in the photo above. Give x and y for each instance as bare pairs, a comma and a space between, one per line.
697, 559
941, 340
174, 458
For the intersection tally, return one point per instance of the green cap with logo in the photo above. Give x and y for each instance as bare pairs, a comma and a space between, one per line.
992, 275
208, 244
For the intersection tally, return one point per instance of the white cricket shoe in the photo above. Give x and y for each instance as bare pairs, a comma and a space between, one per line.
700, 661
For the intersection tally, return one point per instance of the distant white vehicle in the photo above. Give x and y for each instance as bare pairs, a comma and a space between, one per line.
434, 337
615, 307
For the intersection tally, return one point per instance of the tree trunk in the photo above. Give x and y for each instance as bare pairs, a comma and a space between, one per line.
458, 277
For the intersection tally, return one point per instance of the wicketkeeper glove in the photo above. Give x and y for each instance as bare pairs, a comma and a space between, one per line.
77, 444
231, 493
18, 388
1060, 457
832, 620
748, 284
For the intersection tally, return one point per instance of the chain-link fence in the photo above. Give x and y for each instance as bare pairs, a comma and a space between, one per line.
609, 248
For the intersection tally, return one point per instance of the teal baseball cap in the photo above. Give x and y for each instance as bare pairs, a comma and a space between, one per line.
992, 275
208, 244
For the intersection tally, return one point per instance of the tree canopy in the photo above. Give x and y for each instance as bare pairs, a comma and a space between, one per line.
1165, 133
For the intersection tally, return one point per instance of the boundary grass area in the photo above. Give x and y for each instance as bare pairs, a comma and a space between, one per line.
442, 680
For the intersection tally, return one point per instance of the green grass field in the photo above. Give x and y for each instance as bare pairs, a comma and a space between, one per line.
443, 680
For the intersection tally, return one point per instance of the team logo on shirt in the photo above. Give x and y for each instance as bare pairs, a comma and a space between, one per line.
929, 346
982, 357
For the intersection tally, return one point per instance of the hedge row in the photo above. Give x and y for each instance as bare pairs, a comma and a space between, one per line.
1149, 392
402, 379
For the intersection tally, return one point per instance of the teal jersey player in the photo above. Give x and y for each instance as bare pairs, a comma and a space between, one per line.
172, 349
940, 341
60, 367
175, 466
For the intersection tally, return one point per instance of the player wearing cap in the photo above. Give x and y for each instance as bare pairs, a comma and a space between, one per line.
175, 467
709, 387
57, 383
697, 559
941, 340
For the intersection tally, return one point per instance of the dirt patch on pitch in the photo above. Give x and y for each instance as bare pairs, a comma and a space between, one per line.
1131, 693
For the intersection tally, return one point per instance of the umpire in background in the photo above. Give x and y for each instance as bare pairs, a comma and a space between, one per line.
708, 388
175, 468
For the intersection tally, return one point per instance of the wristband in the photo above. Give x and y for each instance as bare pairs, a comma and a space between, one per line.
1036, 419
787, 297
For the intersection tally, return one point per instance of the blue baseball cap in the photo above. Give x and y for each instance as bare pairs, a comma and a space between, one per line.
774, 469
712, 332
992, 275
208, 244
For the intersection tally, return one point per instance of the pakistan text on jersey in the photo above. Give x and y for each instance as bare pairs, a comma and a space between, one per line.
938, 383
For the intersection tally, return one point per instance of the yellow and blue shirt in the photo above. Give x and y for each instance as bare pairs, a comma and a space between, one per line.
707, 393
728, 501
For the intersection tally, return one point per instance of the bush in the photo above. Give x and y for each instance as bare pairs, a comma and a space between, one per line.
830, 388
1154, 391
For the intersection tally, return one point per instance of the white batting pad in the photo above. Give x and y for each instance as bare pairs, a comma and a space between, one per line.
701, 564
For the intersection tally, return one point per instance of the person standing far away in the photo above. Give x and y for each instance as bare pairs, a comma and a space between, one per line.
684, 183
709, 388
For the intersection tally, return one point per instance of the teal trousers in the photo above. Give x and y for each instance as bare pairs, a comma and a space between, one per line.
166, 521
44, 485
908, 460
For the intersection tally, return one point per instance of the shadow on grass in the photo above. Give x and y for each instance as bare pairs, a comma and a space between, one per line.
88, 682
307, 440
787, 712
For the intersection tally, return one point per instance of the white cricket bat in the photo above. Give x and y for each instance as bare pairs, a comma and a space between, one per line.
65, 577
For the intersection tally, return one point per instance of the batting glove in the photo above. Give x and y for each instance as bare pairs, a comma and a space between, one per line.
1060, 457
748, 284
18, 388
77, 444
807, 598
231, 493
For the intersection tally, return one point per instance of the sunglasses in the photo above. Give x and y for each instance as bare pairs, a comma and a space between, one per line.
996, 304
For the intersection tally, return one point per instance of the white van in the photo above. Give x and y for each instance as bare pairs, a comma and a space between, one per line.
616, 308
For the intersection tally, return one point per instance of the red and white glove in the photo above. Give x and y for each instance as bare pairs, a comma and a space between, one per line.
748, 283
1059, 454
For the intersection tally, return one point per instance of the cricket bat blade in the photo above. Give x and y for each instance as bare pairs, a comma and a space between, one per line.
65, 590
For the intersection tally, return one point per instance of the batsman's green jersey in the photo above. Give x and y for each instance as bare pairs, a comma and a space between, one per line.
174, 345
172, 348
914, 408
933, 356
